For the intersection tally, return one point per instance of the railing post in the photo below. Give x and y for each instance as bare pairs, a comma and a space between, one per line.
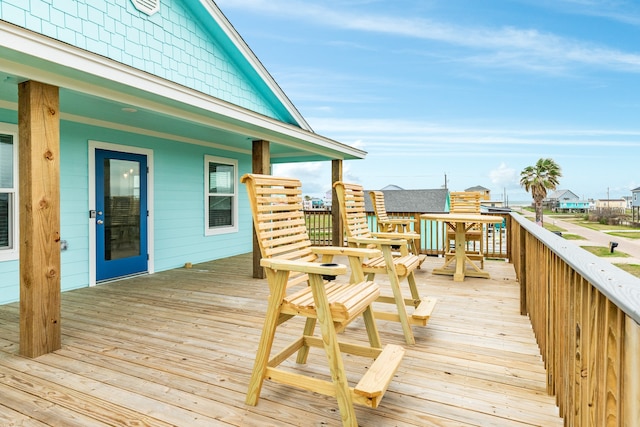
522, 276
631, 382
337, 230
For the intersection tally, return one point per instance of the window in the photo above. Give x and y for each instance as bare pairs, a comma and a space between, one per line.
221, 198
8, 192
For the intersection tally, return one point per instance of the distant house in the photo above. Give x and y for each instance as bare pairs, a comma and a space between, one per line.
313, 203
617, 205
635, 204
486, 193
566, 201
558, 195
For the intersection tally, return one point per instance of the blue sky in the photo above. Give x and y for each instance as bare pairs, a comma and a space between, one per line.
474, 90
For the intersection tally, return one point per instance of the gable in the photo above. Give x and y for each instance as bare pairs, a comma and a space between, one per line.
563, 195
188, 42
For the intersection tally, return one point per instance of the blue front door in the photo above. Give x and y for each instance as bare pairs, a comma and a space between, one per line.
121, 214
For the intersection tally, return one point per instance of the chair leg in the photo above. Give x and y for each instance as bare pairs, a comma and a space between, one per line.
413, 287
397, 295
372, 329
332, 349
266, 339
303, 353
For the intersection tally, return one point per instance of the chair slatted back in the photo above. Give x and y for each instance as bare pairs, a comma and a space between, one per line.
354, 216
377, 199
278, 220
465, 201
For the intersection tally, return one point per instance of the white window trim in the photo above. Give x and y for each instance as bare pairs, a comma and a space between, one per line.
228, 229
13, 253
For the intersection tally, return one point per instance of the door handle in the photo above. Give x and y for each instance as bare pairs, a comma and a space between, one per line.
99, 221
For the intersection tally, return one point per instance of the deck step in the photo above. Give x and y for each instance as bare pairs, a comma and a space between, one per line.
375, 382
425, 309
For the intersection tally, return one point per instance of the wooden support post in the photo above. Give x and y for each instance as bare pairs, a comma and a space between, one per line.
337, 228
39, 184
261, 165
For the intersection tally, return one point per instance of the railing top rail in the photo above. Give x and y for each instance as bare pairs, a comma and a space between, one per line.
622, 288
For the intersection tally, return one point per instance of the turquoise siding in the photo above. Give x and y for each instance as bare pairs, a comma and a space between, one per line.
9, 289
573, 205
9, 270
173, 44
178, 173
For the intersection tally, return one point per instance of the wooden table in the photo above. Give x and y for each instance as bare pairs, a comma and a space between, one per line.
460, 223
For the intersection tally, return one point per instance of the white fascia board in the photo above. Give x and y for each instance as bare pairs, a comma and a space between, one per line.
243, 121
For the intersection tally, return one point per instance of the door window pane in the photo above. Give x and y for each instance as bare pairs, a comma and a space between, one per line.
122, 208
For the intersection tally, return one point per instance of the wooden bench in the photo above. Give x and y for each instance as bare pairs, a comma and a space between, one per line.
301, 283
398, 267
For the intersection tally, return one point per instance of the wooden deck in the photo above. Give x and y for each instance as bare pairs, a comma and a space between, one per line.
177, 347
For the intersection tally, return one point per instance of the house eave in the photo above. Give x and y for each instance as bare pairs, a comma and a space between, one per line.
50, 61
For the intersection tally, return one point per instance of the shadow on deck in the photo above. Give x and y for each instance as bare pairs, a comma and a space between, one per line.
177, 348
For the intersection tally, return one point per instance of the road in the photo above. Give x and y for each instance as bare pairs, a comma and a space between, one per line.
598, 238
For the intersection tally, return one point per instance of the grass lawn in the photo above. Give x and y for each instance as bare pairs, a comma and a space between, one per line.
630, 268
549, 225
603, 251
598, 226
629, 235
573, 237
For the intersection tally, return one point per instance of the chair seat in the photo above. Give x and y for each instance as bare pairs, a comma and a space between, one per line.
346, 301
404, 264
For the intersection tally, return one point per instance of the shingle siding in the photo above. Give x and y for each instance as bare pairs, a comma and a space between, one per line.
171, 44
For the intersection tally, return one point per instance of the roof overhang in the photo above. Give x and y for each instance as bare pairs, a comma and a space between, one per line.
102, 92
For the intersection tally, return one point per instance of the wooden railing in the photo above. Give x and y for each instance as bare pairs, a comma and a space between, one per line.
585, 313
432, 234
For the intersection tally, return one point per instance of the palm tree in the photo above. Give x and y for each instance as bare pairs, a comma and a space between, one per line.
538, 179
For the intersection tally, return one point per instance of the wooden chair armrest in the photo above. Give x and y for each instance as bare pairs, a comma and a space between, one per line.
346, 251
396, 236
400, 221
303, 266
378, 241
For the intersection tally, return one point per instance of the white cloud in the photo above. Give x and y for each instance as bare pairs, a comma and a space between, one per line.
315, 176
504, 177
500, 47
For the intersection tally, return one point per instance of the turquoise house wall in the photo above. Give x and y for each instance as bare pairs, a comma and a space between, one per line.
9, 270
173, 44
178, 173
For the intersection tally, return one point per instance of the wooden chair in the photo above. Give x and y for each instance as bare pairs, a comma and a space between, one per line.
294, 271
398, 268
396, 225
467, 202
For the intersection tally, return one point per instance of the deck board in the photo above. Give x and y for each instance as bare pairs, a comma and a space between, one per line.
177, 347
